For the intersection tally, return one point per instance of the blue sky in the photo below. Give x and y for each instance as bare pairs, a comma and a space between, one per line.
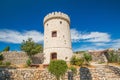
95, 24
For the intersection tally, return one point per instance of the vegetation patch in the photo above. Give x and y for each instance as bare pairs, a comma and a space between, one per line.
58, 68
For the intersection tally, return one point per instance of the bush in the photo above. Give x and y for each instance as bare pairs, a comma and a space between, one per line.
28, 62
1, 63
1, 57
112, 57
118, 60
7, 63
87, 57
7, 48
73, 59
79, 61
57, 68
73, 69
76, 61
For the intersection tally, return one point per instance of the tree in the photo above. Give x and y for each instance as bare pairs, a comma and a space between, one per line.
6, 48
30, 47
57, 68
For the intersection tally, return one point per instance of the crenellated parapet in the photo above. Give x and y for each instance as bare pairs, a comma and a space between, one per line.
56, 15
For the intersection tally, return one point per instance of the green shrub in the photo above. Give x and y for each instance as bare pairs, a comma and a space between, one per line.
112, 57
76, 61
57, 68
87, 57
7, 63
7, 48
28, 62
73, 59
73, 69
115, 58
118, 60
1, 57
1, 63
79, 61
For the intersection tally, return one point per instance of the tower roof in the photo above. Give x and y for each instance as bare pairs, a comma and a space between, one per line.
55, 15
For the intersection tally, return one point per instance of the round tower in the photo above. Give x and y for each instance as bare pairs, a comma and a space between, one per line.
57, 39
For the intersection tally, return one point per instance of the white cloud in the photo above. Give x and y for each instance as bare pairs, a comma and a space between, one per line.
75, 35
97, 37
94, 40
12, 36
116, 44
89, 37
89, 41
88, 47
100, 44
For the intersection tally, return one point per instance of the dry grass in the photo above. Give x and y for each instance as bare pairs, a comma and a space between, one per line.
114, 64
77, 67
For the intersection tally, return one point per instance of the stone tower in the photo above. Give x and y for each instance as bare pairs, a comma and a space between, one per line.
57, 39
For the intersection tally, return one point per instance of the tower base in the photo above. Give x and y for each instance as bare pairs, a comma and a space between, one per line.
57, 54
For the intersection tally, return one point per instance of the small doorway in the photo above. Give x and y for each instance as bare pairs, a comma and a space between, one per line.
53, 56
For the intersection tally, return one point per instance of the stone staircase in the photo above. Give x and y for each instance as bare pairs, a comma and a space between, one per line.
105, 73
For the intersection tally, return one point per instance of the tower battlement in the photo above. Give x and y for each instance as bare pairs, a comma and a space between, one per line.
56, 15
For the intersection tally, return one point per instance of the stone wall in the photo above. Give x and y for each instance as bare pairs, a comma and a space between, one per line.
21, 57
25, 74
101, 73
98, 56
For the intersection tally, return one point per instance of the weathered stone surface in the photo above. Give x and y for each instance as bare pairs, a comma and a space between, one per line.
25, 74
21, 57
98, 56
99, 73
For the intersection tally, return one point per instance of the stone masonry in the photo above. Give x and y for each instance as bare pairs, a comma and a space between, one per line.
21, 57
99, 73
